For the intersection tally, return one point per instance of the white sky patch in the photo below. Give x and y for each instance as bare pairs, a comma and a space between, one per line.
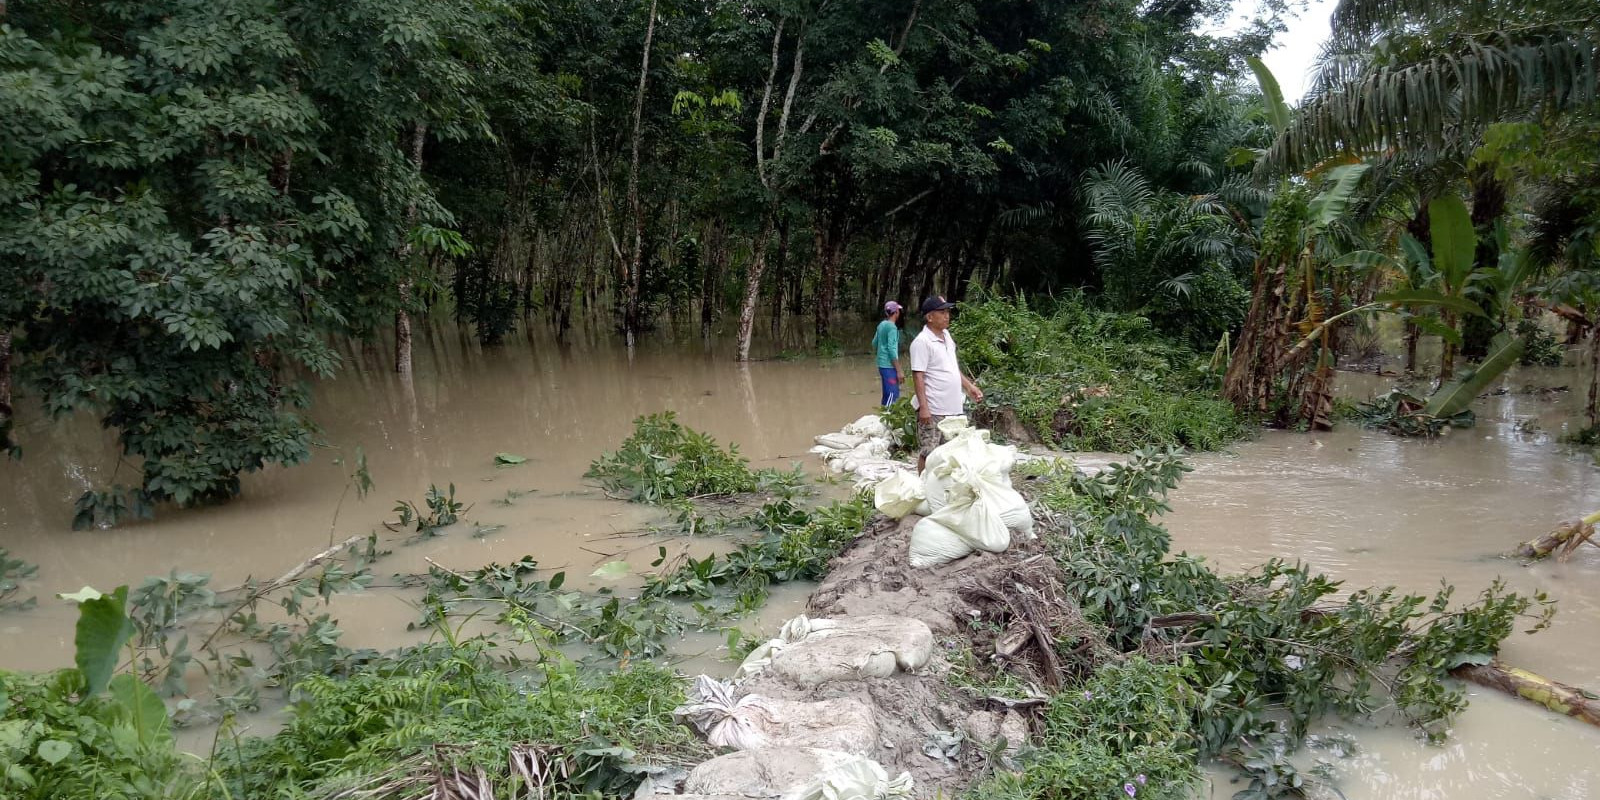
1295, 50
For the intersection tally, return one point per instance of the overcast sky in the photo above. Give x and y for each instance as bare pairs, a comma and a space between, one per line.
1291, 57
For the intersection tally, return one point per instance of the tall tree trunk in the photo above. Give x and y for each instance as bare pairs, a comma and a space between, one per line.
969, 262
402, 318
1413, 334
711, 264
830, 238
1592, 410
6, 413
1489, 197
1448, 349
634, 265
780, 281
752, 290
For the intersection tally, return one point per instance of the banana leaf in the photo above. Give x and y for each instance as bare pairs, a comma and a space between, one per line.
1455, 397
1429, 297
1454, 240
1277, 109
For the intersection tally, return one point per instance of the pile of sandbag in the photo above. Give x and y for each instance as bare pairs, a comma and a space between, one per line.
861, 449
964, 495
799, 749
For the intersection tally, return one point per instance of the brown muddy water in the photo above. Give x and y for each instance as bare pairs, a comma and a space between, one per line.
1374, 509
1360, 505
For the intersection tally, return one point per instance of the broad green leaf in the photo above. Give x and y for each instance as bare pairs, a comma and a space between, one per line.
1330, 203
1432, 326
1365, 259
53, 751
1429, 297
1454, 241
612, 570
1277, 110
556, 580
103, 628
140, 708
508, 459
1422, 263
1455, 397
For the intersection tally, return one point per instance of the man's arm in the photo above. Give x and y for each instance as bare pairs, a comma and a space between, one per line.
923, 413
971, 388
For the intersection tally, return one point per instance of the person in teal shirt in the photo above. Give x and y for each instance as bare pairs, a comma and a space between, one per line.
886, 345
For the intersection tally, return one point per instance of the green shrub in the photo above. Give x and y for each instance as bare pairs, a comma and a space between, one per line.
1542, 348
56, 746
1087, 379
664, 460
1123, 733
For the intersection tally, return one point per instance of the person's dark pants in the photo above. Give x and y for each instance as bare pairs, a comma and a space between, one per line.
891, 384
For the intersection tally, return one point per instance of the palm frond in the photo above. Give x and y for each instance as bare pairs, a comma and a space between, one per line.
1453, 95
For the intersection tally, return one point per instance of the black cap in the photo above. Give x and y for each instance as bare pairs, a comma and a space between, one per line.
936, 303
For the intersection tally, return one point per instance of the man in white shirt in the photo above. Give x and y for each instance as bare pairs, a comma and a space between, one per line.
938, 377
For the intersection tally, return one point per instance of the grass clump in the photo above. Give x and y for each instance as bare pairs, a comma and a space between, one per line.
443, 716
1086, 379
664, 461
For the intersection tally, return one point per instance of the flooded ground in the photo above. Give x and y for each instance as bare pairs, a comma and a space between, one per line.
1361, 505
1376, 509
560, 407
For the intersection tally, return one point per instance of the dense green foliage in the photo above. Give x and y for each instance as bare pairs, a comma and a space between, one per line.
197, 197
1088, 379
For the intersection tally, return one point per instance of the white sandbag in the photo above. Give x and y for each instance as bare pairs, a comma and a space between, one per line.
792, 631
753, 721
810, 652
933, 543
840, 441
870, 472
898, 495
871, 448
727, 720
842, 724
768, 772
859, 778
869, 425
950, 426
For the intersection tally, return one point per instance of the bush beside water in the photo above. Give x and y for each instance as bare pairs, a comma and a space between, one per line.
1085, 379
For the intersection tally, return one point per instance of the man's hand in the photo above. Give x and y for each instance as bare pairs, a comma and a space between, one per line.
923, 414
975, 393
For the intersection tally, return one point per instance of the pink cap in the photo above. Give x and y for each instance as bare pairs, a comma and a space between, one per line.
891, 307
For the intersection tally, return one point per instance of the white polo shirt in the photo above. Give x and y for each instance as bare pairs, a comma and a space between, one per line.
935, 358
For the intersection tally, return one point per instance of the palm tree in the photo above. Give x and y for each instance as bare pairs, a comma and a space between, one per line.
1419, 75
1146, 242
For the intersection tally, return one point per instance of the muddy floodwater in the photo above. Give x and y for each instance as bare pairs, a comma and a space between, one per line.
1374, 509
1360, 505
